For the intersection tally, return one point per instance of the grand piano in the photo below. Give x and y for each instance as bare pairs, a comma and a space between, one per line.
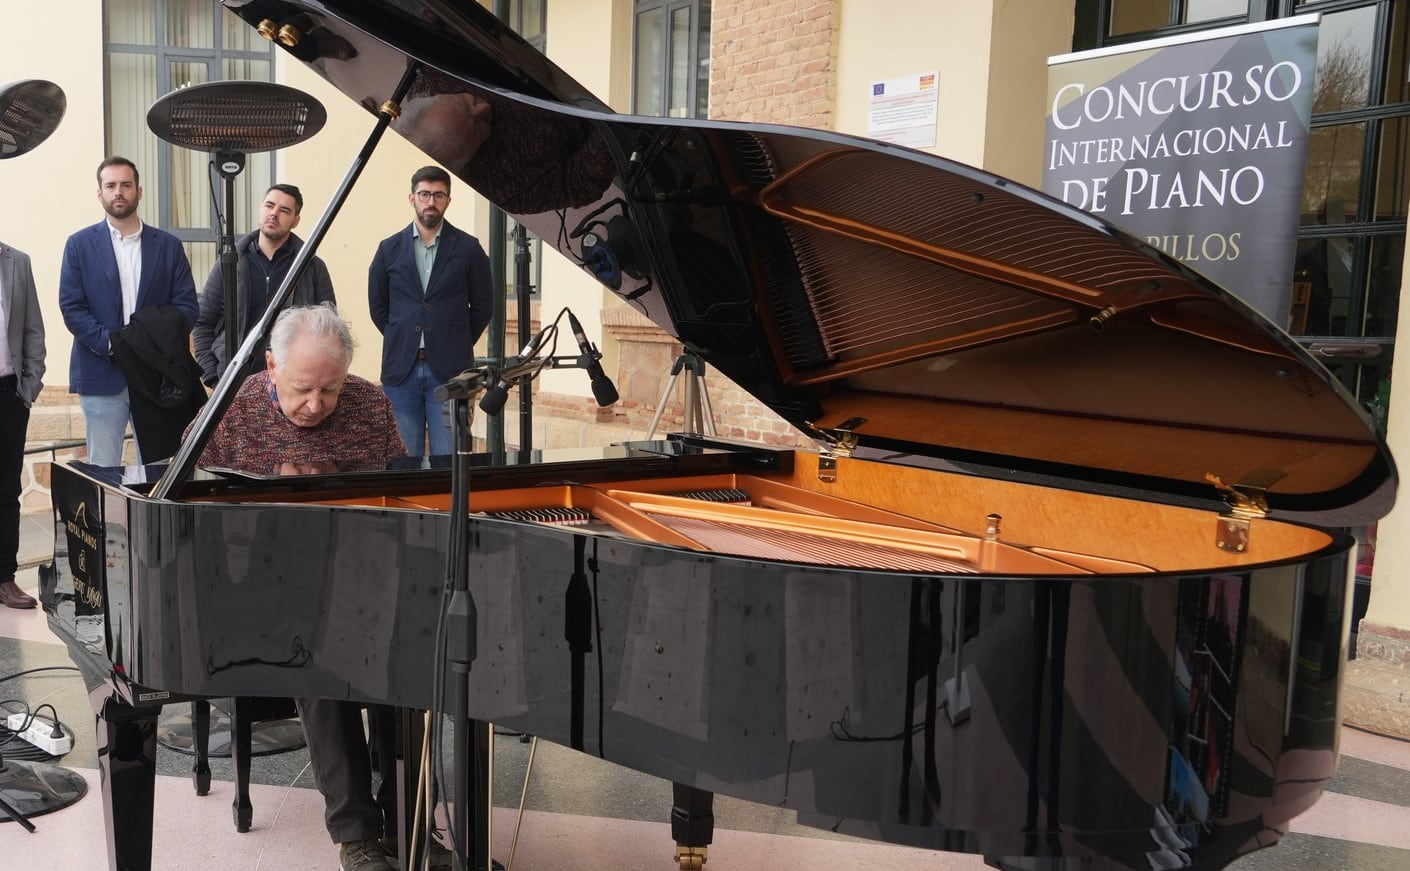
1064, 583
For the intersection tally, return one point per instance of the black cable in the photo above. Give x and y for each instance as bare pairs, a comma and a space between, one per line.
211, 185
30, 715
39, 669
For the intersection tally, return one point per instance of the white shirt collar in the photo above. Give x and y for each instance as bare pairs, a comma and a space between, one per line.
117, 235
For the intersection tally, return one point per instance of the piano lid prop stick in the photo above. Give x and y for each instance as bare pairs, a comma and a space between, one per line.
184, 462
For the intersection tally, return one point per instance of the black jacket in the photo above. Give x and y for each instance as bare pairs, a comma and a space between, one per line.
163, 381
315, 286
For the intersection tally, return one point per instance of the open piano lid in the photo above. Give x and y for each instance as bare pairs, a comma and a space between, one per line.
909, 307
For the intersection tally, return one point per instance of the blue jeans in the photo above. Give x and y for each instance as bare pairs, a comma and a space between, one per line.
419, 413
105, 422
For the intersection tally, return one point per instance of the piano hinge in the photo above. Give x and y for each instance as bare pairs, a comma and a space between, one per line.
837, 442
1247, 502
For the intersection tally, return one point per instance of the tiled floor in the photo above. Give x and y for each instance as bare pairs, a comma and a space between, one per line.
582, 813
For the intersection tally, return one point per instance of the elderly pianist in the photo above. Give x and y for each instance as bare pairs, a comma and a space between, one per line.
305, 414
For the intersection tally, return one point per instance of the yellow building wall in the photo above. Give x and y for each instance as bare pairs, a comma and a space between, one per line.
878, 41
992, 59
53, 190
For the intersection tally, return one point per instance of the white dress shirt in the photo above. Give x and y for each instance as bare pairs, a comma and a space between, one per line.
128, 251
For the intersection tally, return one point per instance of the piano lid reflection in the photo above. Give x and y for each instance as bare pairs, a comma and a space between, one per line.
1065, 580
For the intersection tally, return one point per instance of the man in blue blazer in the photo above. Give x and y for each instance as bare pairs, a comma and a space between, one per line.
430, 295
110, 270
21, 377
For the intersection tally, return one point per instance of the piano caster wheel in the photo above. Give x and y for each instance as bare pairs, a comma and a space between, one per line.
691, 858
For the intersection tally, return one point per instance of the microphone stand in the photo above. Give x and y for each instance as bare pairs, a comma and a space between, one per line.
229, 164
522, 292
471, 750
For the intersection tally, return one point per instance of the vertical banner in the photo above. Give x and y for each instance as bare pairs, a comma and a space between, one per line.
1195, 144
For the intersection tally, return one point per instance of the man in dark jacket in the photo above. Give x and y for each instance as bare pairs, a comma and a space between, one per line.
263, 258
430, 295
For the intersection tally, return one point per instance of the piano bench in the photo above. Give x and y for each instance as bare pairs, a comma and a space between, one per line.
245, 712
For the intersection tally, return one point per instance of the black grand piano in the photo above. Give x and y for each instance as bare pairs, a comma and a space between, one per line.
1064, 583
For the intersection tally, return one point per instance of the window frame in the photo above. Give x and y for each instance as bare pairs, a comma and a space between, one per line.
665, 62
161, 177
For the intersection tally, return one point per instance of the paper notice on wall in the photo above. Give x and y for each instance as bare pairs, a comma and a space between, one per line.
903, 110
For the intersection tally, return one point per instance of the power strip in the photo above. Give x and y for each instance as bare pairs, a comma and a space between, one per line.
41, 734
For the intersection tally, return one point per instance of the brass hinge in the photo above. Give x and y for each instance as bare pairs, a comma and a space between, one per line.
1247, 501
839, 442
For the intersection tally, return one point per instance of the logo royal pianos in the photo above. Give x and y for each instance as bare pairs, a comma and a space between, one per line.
84, 556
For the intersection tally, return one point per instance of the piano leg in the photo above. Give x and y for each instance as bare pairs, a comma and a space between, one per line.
127, 766
200, 745
241, 725
692, 825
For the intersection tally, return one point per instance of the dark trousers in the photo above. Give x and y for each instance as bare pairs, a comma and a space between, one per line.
342, 770
14, 421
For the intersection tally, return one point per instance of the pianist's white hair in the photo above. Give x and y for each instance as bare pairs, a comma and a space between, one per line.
319, 322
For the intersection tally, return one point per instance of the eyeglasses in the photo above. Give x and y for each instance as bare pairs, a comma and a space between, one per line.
428, 196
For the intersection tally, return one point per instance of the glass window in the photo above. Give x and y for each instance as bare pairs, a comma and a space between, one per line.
1344, 45
203, 257
1392, 163
1333, 174
132, 22
190, 23
1135, 16
1138, 16
527, 19
1387, 259
154, 48
1397, 89
672, 58
249, 69
702, 61
679, 104
1337, 296
1209, 10
1325, 269
650, 54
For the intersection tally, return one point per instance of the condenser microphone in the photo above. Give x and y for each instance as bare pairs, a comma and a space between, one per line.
603, 390
498, 392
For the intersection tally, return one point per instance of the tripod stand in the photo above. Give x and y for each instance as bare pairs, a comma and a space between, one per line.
697, 415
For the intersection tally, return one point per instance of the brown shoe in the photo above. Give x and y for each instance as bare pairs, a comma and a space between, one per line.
11, 596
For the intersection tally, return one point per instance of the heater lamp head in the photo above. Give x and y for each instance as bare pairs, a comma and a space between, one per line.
238, 116
30, 110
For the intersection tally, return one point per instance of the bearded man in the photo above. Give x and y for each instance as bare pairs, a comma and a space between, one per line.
263, 258
429, 293
110, 270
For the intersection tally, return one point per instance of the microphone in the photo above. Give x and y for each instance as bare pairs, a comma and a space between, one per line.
498, 393
603, 390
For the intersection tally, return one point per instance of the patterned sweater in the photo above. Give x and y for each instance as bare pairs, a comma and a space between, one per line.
255, 437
